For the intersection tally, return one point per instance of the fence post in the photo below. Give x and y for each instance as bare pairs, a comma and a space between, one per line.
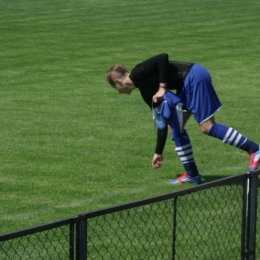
71, 241
81, 239
174, 228
244, 232
251, 216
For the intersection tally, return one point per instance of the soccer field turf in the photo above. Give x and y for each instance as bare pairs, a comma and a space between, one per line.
70, 143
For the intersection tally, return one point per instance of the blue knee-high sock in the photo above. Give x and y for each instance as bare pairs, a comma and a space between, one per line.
231, 136
185, 153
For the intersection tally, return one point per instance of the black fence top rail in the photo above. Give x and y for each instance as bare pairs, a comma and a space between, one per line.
36, 229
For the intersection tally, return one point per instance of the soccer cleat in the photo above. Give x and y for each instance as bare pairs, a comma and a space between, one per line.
185, 178
159, 121
254, 161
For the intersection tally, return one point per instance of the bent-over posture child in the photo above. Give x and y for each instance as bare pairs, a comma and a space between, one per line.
196, 94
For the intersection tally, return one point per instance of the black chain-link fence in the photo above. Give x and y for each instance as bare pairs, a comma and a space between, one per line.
215, 220
50, 241
198, 224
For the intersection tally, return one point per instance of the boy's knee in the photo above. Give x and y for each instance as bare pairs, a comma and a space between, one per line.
206, 126
204, 130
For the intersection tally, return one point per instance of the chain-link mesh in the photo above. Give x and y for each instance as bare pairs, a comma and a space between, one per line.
144, 232
49, 244
208, 226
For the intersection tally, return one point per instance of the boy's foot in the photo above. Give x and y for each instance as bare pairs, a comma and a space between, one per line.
185, 178
254, 161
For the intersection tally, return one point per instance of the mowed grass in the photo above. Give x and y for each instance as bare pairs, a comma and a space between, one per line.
70, 143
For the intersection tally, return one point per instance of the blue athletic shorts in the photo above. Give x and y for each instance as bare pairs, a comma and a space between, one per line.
198, 94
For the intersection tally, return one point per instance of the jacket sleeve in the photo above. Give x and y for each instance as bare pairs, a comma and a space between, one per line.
161, 140
156, 66
154, 69
163, 67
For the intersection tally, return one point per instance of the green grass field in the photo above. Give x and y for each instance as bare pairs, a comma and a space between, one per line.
69, 142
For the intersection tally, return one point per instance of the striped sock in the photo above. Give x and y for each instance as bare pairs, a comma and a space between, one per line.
230, 136
185, 153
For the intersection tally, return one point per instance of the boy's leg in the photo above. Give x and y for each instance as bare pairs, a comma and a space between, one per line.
230, 136
183, 147
185, 153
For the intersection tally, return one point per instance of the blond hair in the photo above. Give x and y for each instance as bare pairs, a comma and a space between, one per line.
118, 71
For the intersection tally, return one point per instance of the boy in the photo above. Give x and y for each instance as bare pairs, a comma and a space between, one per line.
196, 93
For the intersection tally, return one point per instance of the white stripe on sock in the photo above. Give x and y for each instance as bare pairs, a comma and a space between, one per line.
185, 152
237, 140
227, 134
182, 147
232, 137
186, 158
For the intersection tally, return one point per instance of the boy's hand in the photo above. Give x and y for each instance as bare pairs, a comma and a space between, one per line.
159, 95
157, 161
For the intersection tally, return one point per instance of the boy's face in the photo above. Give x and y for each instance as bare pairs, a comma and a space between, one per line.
123, 89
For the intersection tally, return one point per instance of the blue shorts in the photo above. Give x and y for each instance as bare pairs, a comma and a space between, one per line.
198, 94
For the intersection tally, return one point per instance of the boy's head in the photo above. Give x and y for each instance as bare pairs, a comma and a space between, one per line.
118, 78
118, 71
